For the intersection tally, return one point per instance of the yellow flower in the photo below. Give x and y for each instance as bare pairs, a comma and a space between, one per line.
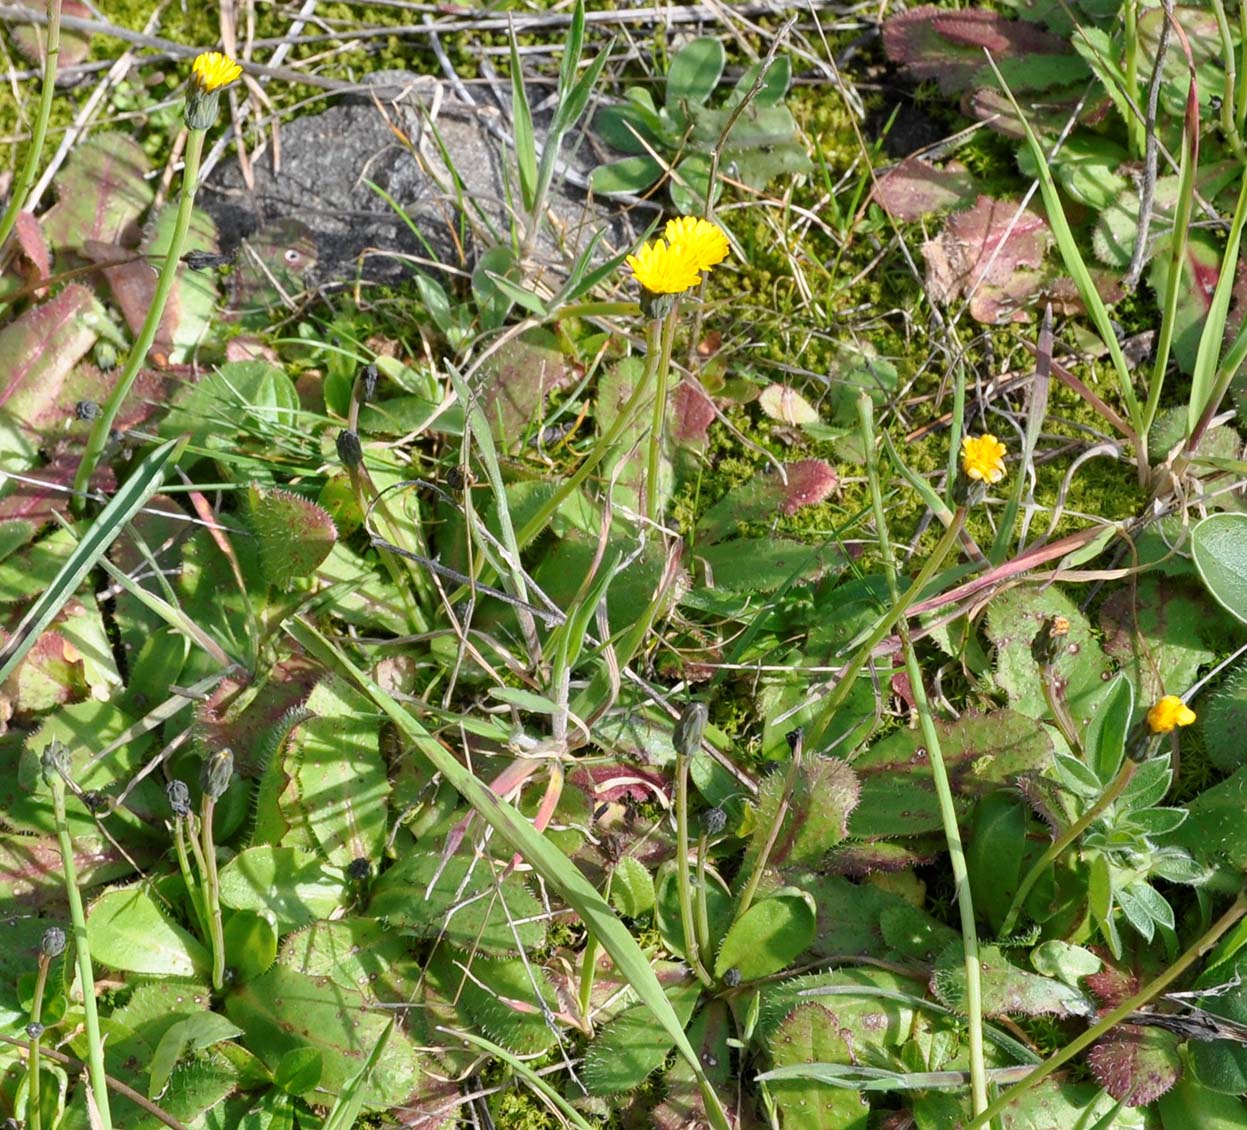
663, 269
983, 458
1169, 712
703, 242
212, 70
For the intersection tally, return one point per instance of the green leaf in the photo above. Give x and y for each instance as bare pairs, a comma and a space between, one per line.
632, 174
631, 1045
285, 1011
627, 128
812, 1033
294, 535
299, 1070
238, 394
128, 931
293, 885
1105, 738
190, 1035
769, 936
1221, 1065
1219, 545
632, 887
695, 72
994, 854
1007, 990
719, 907
522, 125
558, 872
1190, 1105
461, 900
250, 944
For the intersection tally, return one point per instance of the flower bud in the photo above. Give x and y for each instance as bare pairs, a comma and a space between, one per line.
204, 260
689, 729
368, 386
358, 870
179, 799
217, 771
34, 1029
349, 450
55, 761
86, 410
732, 977
52, 944
714, 821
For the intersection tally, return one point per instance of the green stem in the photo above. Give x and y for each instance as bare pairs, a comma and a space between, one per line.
682, 876
653, 489
34, 1107
755, 876
138, 354
894, 614
1069, 836
1134, 126
22, 188
1110, 1020
82, 949
939, 773
212, 894
1229, 89
603, 447
703, 908
188, 876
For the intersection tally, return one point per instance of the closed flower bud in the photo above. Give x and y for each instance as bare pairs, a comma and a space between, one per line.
86, 410
690, 727
217, 771
34, 1029
358, 870
204, 260
179, 799
732, 977
714, 821
368, 386
349, 450
55, 761
52, 944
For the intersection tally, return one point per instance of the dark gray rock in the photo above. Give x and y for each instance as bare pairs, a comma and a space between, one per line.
393, 135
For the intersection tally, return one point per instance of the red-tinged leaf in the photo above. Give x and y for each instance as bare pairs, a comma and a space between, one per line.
991, 254
1047, 116
43, 493
240, 715
930, 43
605, 784
33, 251
31, 39
49, 676
915, 188
809, 482
515, 383
40, 350
1136, 1065
30, 869
101, 193
692, 413
1112, 985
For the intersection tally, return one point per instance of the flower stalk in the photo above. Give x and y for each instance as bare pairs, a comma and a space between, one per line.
55, 769
211, 72
985, 460
21, 188
51, 946
217, 772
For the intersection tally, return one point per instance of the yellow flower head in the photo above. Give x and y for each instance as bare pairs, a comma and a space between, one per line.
1169, 712
212, 70
664, 269
983, 458
703, 242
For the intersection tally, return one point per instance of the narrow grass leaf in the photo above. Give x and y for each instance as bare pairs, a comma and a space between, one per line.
127, 502
522, 127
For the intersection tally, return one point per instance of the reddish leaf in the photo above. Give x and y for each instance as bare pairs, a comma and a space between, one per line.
931, 43
916, 188
31, 39
43, 493
33, 249
516, 381
809, 482
692, 413
101, 193
1136, 1065
990, 253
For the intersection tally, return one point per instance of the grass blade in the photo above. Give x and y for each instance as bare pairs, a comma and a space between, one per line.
556, 870
139, 487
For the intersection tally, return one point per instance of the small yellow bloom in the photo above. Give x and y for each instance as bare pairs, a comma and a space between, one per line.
663, 269
1169, 712
983, 458
212, 71
703, 242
